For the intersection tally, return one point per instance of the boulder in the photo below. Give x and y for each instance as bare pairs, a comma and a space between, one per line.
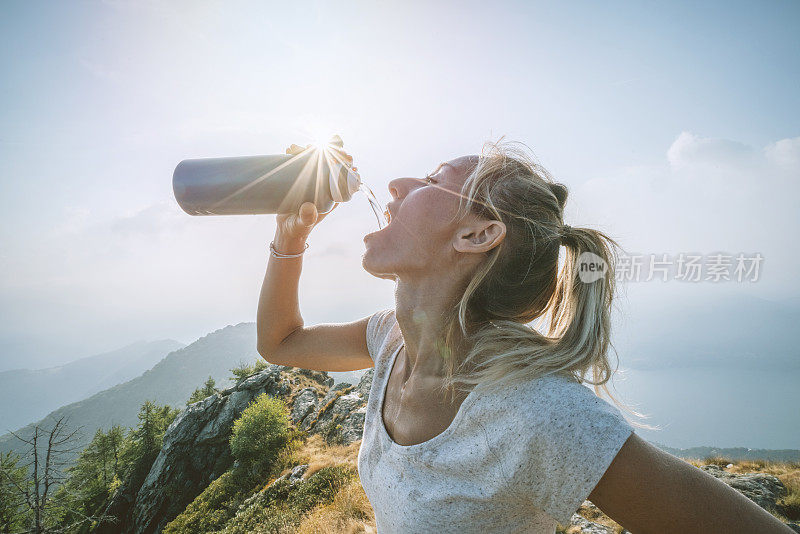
341, 412
305, 402
762, 489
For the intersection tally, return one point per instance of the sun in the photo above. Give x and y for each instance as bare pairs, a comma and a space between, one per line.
321, 139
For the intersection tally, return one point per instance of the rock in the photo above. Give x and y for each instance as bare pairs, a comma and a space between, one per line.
297, 473
318, 376
762, 489
304, 403
365, 383
312, 417
585, 526
345, 408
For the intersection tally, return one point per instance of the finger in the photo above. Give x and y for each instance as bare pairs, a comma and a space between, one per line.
308, 214
294, 149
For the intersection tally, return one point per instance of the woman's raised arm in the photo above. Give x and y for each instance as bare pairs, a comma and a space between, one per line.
282, 337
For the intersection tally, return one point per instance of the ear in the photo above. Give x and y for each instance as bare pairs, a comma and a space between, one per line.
479, 236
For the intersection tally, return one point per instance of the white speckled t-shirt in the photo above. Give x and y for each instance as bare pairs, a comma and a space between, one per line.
518, 462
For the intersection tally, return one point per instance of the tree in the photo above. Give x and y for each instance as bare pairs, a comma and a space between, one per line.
245, 370
13, 480
95, 475
116, 462
199, 394
145, 440
49, 451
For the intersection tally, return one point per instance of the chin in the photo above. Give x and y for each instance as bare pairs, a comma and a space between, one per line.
375, 270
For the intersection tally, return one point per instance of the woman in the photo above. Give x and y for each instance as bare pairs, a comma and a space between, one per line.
476, 422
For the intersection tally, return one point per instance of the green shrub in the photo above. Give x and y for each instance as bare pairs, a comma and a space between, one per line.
219, 502
260, 433
212, 508
331, 432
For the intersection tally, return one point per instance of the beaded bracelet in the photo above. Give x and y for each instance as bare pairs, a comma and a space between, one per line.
282, 255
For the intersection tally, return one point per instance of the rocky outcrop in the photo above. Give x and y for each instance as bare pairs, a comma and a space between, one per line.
764, 490
196, 449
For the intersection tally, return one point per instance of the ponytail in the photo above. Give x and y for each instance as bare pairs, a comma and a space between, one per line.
520, 283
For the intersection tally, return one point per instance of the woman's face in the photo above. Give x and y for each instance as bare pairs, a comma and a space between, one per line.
420, 235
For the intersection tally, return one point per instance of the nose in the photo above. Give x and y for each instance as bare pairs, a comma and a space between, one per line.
399, 187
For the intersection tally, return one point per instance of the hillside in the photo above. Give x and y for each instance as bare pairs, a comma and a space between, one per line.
171, 381
28, 395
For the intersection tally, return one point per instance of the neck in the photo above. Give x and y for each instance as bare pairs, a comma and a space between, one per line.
421, 308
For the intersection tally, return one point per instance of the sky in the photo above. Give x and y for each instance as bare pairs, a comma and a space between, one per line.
675, 126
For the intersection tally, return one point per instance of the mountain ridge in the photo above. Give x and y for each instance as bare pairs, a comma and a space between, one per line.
29, 394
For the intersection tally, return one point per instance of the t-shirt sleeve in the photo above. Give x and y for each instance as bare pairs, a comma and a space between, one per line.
576, 436
378, 327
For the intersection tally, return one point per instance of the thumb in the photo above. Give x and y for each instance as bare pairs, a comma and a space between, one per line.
308, 214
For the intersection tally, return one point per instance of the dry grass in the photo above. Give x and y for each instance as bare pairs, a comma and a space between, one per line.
349, 513
300, 382
317, 454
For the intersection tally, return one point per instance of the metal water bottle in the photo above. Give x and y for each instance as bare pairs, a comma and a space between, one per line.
265, 184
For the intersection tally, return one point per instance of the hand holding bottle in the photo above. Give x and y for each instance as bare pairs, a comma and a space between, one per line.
294, 228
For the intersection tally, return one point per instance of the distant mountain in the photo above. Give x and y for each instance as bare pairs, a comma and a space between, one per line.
727, 331
171, 382
27, 395
351, 377
734, 453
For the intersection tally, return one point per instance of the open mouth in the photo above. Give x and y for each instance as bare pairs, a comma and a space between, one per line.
387, 216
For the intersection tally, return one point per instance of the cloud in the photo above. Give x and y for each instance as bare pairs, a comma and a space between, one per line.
708, 195
785, 154
689, 149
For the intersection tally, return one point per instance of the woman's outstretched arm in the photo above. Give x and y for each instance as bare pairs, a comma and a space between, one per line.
648, 490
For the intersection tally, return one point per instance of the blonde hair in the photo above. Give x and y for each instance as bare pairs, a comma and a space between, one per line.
520, 282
